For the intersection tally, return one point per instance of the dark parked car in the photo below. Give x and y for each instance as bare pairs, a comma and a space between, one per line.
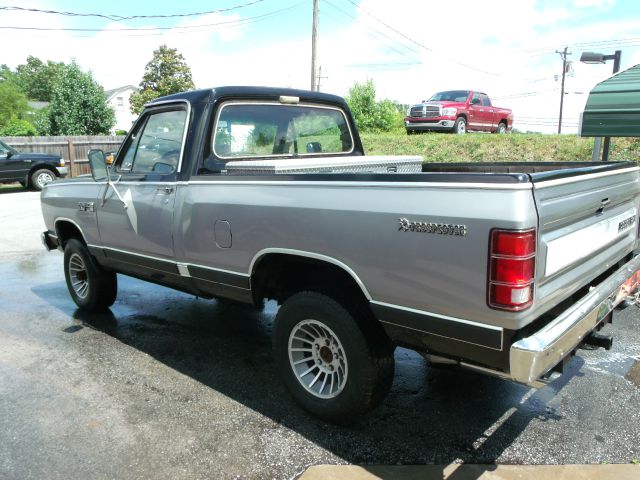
32, 170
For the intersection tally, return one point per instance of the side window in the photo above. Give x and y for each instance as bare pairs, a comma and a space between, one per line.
485, 100
475, 100
155, 147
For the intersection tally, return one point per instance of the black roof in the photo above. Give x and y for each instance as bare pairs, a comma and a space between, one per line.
263, 93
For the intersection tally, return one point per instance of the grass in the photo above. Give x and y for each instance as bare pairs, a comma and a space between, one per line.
481, 147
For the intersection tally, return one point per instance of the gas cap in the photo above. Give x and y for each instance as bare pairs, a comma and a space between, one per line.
222, 233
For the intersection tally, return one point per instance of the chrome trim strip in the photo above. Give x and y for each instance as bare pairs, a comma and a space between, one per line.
579, 178
316, 256
443, 336
218, 269
532, 357
183, 269
166, 260
345, 184
284, 105
443, 317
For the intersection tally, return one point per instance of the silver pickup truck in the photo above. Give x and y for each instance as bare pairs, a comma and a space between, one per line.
255, 193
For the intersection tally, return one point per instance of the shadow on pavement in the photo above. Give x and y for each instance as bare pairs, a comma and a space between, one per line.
431, 416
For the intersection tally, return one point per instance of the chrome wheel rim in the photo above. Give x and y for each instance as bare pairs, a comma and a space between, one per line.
461, 127
318, 359
78, 275
43, 179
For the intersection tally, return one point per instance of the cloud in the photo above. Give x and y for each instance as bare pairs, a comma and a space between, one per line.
503, 48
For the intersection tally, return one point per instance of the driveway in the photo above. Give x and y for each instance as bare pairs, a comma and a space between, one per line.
167, 385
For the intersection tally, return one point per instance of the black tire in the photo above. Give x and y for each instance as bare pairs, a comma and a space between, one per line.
410, 131
40, 178
91, 287
309, 319
460, 126
502, 128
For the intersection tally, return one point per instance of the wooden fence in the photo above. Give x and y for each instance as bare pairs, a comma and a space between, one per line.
73, 149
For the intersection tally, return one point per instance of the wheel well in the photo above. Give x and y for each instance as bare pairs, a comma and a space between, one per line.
503, 120
463, 116
277, 276
66, 231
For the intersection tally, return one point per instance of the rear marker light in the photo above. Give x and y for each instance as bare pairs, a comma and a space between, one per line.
512, 260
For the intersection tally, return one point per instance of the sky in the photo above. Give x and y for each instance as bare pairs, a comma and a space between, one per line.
409, 48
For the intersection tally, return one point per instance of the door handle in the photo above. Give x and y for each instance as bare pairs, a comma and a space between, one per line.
166, 190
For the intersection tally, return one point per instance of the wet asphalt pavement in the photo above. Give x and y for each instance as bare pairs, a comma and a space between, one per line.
167, 385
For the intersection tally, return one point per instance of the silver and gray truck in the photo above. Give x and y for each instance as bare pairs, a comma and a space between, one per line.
248, 193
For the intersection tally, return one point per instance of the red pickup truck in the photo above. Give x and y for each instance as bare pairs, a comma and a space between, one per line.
458, 111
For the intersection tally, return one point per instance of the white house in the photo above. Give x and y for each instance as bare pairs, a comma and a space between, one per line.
118, 99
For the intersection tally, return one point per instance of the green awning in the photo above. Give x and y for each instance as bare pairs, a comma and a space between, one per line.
613, 107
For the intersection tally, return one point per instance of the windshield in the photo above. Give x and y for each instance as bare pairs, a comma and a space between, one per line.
450, 96
5, 149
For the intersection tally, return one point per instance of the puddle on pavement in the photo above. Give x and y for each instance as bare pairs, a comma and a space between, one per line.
29, 264
633, 375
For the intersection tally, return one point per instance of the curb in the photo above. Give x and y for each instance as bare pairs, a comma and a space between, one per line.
473, 472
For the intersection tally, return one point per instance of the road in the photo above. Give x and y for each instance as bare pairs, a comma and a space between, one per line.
167, 385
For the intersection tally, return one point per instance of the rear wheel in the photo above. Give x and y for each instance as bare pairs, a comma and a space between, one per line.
326, 361
41, 177
460, 126
502, 128
91, 287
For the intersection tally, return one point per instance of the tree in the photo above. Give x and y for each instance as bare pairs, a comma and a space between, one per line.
79, 105
166, 73
13, 103
37, 79
369, 114
17, 128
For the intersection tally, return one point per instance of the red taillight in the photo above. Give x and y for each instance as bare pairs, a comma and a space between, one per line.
512, 257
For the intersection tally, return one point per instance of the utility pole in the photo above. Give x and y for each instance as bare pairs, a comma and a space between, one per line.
564, 72
314, 41
320, 78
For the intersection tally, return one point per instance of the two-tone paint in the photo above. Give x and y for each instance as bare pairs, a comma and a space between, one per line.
207, 233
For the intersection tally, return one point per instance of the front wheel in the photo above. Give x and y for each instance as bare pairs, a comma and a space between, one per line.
91, 287
326, 361
460, 126
41, 177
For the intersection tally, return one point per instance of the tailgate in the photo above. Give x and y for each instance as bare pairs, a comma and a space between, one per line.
587, 223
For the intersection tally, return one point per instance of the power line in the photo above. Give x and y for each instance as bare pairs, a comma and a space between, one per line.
369, 27
188, 27
371, 35
117, 18
423, 46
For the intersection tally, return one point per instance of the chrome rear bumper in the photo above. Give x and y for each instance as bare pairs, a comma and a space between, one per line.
532, 357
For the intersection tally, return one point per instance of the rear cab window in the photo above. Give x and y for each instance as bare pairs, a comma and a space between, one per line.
273, 130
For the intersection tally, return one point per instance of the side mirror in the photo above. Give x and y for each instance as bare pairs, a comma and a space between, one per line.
98, 166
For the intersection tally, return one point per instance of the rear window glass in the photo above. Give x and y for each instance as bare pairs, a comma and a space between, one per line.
246, 130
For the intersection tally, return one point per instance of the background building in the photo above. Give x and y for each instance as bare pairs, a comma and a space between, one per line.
118, 99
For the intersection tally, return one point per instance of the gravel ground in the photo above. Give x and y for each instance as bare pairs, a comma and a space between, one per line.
167, 385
